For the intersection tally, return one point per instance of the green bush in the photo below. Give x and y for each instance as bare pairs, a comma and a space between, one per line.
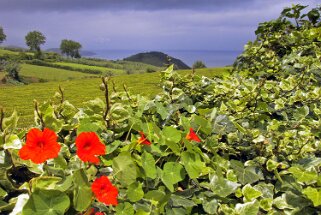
199, 64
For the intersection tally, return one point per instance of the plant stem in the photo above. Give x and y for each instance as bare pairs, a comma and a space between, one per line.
1, 118
39, 115
105, 82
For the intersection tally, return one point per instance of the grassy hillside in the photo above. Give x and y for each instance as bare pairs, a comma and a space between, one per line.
78, 91
104, 70
50, 74
4, 52
127, 66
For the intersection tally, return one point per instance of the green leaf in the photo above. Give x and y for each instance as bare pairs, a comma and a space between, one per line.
44, 182
221, 186
266, 204
86, 125
163, 112
68, 110
3, 193
210, 207
171, 137
271, 165
135, 192
303, 176
179, 201
176, 211
49, 202
193, 164
204, 124
313, 194
301, 113
267, 190
82, 191
246, 175
250, 193
172, 174
148, 163
168, 72
124, 168
250, 208
172, 134
125, 209
118, 112
12, 142
155, 195
10, 123
111, 147
50, 119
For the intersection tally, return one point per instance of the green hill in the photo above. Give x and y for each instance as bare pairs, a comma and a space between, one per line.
157, 59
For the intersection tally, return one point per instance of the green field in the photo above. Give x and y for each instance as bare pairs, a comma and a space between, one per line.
78, 91
4, 52
104, 70
51, 74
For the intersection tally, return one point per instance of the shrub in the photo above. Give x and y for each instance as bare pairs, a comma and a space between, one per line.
199, 64
12, 68
150, 70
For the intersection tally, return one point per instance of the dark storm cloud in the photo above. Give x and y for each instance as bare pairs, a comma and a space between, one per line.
72, 5
141, 24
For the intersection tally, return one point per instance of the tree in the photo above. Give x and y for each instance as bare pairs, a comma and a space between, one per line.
34, 40
2, 35
70, 48
199, 64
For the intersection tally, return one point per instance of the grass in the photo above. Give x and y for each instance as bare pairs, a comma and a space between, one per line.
128, 66
50, 74
78, 91
104, 70
7, 52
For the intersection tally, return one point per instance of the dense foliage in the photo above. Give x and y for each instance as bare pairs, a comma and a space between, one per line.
34, 40
245, 144
70, 48
2, 35
198, 64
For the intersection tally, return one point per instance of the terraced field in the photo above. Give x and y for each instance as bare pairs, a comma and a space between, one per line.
81, 90
51, 74
104, 70
3, 52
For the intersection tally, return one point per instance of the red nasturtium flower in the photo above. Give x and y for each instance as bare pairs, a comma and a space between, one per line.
192, 136
143, 139
40, 146
104, 191
89, 147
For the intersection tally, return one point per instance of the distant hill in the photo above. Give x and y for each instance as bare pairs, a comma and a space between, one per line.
157, 59
82, 52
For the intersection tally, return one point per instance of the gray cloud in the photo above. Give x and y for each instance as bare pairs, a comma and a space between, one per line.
72, 5
142, 25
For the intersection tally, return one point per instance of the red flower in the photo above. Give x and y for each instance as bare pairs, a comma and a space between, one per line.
89, 147
143, 139
104, 191
40, 146
99, 213
192, 136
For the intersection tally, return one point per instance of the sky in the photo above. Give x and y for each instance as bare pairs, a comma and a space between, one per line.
140, 24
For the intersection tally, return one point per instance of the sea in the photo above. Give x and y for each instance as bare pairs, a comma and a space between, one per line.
211, 58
